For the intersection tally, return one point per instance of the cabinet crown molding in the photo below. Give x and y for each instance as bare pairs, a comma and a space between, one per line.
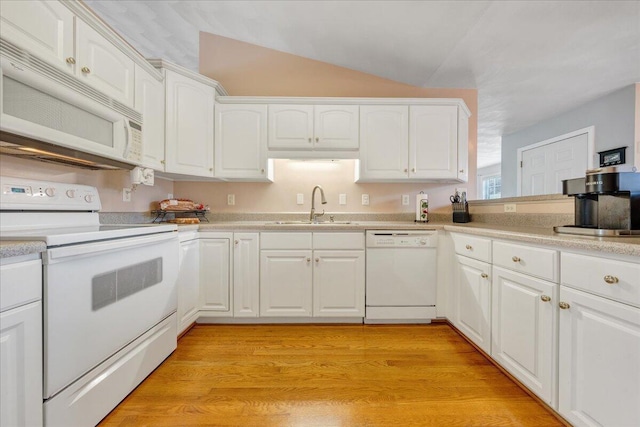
164, 64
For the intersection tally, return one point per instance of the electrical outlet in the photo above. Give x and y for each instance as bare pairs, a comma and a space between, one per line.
405, 200
126, 194
231, 199
509, 207
365, 200
342, 199
170, 196
300, 199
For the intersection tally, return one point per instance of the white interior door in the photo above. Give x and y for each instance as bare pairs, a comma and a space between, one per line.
545, 166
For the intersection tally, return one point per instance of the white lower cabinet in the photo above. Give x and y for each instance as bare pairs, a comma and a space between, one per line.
524, 330
472, 300
286, 283
599, 363
215, 278
338, 283
21, 343
188, 281
246, 274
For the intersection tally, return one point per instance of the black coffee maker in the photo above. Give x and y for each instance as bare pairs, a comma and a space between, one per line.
607, 203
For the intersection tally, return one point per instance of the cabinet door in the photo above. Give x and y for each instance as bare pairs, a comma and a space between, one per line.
188, 284
290, 127
433, 141
524, 330
285, 283
463, 146
241, 141
215, 279
338, 283
21, 367
246, 275
149, 100
103, 66
384, 142
189, 126
336, 127
44, 28
472, 311
599, 362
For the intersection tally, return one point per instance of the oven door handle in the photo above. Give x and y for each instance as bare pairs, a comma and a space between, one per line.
90, 249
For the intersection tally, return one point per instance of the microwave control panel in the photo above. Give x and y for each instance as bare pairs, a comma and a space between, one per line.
134, 147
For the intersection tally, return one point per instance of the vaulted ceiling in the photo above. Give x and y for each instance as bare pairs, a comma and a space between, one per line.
529, 60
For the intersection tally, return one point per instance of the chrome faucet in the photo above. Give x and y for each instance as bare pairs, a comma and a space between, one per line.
313, 215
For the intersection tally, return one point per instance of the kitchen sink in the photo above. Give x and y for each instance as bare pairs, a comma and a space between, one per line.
312, 223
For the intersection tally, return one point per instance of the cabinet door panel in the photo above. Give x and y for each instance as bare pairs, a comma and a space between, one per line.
599, 361
523, 330
149, 100
473, 301
21, 366
384, 137
291, 127
110, 70
285, 283
336, 127
188, 284
246, 275
241, 141
44, 28
433, 141
189, 126
338, 283
214, 275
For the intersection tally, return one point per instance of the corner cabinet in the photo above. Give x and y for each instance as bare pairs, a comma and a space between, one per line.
189, 125
241, 142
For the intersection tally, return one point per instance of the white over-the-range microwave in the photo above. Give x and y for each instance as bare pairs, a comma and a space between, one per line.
44, 110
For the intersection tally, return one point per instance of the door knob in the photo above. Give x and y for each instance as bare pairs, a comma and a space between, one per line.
563, 305
545, 298
71, 60
85, 70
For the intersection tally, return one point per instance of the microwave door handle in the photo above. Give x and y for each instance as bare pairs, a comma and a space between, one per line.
127, 136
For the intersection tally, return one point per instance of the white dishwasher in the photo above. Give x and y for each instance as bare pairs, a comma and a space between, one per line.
401, 276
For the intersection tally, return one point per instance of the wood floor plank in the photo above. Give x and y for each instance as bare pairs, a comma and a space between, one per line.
327, 375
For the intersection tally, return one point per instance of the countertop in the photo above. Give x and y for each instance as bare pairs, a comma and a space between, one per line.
629, 246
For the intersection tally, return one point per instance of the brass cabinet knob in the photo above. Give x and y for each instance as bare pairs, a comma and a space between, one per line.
413, 169
461, 170
309, 140
469, 247
317, 259
261, 170
308, 259
611, 279
563, 305
406, 170
516, 259
237, 241
545, 298
484, 275
162, 162
317, 139
71, 60
85, 70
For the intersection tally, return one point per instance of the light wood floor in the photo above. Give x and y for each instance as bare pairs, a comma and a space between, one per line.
299, 376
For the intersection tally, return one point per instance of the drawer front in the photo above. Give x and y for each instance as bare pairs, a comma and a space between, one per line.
473, 247
338, 240
538, 262
285, 240
20, 283
618, 280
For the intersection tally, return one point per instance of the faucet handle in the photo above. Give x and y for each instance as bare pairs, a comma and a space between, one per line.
331, 218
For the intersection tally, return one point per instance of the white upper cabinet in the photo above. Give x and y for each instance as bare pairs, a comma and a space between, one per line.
44, 28
241, 142
433, 141
313, 128
384, 137
102, 65
413, 143
149, 100
189, 125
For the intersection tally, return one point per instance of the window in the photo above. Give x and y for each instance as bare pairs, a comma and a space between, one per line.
491, 186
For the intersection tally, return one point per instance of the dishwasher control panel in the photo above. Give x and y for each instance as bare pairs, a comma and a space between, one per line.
399, 238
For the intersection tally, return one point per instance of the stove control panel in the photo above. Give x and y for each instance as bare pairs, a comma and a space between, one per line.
25, 194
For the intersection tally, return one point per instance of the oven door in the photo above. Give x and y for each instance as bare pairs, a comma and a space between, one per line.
98, 297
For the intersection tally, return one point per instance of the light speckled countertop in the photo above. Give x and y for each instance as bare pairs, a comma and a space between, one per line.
9, 248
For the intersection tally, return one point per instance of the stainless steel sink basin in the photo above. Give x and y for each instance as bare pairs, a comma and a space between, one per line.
311, 223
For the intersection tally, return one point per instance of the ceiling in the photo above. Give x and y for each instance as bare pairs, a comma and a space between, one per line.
529, 60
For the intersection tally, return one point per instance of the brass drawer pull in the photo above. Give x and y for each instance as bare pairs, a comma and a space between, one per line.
484, 275
563, 305
71, 60
545, 298
516, 259
85, 70
469, 247
612, 280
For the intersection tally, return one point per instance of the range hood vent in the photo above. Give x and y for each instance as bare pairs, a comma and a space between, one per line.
31, 149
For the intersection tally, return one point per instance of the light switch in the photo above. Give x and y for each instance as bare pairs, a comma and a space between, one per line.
126, 194
365, 200
405, 199
231, 199
300, 199
342, 199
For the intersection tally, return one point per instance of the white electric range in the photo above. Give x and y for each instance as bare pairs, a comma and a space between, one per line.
109, 296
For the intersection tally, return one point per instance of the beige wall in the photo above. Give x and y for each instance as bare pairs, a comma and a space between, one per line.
246, 69
108, 183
